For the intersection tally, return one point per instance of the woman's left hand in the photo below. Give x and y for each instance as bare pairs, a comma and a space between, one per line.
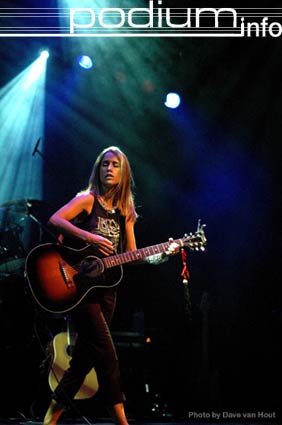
173, 247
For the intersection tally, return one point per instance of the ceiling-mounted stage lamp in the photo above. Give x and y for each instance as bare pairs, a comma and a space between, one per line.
173, 100
85, 61
44, 54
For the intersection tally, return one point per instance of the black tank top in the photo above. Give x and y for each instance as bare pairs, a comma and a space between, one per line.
109, 224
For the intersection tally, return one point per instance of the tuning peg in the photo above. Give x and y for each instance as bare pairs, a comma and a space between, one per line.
200, 226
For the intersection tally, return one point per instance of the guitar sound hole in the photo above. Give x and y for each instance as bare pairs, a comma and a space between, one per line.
70, 349
91, 266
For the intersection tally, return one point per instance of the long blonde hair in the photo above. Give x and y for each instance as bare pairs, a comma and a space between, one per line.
122, 194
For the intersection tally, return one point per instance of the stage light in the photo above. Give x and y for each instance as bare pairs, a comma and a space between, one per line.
44, 54
37, 69
22, 103
173, 100
85, 61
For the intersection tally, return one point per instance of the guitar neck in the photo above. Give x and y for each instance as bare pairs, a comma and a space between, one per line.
138, 254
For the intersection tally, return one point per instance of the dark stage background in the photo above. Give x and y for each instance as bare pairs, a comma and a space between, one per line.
216, 346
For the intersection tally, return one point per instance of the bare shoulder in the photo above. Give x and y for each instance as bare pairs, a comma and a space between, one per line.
77, 205
84, 200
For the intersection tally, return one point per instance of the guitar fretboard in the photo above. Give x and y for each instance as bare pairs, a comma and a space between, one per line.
138, 254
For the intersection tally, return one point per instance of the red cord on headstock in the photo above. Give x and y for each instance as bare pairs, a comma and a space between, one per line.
185, 272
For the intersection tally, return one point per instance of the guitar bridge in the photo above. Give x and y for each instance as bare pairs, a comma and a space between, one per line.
66, 276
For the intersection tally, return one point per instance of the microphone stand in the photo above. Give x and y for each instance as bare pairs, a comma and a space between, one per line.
36, 150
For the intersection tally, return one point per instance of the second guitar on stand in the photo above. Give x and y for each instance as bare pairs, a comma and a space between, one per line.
62, 347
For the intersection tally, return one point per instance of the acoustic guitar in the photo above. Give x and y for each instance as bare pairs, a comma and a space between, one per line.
60, 277
62, 348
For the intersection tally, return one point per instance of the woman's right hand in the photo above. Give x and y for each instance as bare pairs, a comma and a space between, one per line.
103, 245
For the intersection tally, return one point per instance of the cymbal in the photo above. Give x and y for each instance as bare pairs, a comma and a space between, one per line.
24, 206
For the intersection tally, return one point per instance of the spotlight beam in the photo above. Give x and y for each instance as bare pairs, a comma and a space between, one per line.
22, 104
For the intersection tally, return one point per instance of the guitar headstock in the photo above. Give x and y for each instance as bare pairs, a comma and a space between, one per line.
196, 241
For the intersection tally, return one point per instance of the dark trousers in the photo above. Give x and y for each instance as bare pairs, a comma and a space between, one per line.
94, 347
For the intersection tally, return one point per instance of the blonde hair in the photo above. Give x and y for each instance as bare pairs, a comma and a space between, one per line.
122, 193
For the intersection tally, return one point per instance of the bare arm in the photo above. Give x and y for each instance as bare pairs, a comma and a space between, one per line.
130, 236
62, 221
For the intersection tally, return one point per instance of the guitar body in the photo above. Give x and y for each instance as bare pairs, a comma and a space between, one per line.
56, 282
60, 277
61, 360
